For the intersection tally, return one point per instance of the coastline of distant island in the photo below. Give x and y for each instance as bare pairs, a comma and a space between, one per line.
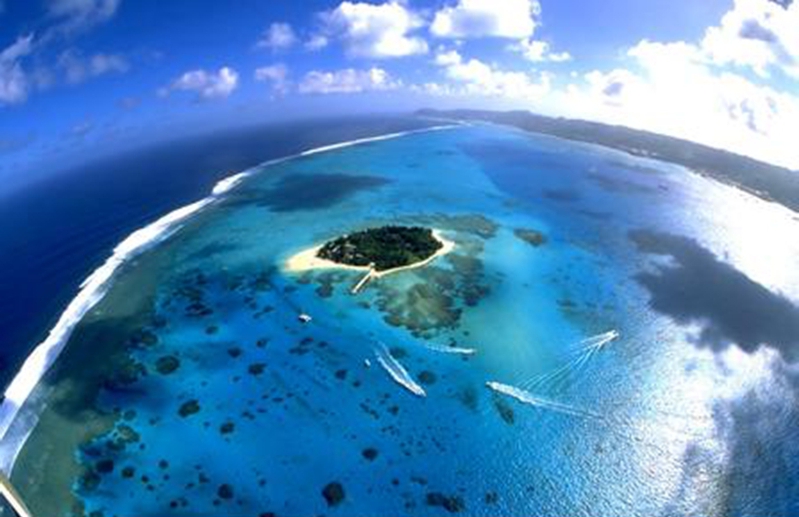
766, 181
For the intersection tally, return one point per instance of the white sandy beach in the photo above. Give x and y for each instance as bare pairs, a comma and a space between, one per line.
306, 260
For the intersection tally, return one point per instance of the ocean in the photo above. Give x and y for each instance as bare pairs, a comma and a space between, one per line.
606, 338
56, 231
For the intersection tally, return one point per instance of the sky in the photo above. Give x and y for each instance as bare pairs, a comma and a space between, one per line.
83, 77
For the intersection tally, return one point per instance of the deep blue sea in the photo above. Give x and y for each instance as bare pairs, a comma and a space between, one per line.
610, 336
56, 231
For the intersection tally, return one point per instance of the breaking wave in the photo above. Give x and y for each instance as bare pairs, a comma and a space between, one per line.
95, 286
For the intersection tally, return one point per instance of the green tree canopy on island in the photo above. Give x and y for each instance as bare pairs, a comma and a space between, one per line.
386, 247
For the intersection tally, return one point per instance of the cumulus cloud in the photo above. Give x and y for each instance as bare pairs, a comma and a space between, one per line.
539, 51
316, 42
475, 77
78, 68
348, 80
516, 19
672, 89
760, 34
206, 85
63, 19
14, 82
375, 30
279, 36
276, 75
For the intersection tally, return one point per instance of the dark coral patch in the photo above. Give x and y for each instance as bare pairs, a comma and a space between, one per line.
256, 368
531, 237
370, 453
333, 493
167, 364
225, 491
189, 408
505, 411
315, 191
450, 503
427, 377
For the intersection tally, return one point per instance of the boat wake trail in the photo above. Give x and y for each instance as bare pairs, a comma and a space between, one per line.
540, 402
450, 349
397, 372
600, 340
579, 359
95, 286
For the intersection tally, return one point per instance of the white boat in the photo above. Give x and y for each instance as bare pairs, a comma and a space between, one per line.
304, 318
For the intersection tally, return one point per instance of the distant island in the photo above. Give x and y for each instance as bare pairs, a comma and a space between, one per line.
766, 181
378, 251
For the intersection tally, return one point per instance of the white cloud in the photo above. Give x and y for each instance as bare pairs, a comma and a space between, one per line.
759, 34
276, 75
515, 19
348, 80
474, 77
207, 85
375, 30
76, 15
672, 89
81, 130
539, 51
14, 83
279, 36
316, 42
63, 19
78, 68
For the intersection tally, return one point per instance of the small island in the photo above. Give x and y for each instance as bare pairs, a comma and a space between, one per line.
387, 247
378, 251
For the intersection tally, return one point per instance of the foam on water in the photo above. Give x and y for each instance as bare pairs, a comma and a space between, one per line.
389, 136
92, 290
579, 358
600, 340
397, 371
450, 349
533, 400
228, 183
94, 287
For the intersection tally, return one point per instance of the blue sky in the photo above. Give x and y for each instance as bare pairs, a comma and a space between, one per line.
78, 76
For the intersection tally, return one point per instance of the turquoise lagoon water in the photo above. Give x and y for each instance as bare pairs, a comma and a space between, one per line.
226, 404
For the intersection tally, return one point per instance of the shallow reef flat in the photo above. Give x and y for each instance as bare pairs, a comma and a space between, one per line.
194, 388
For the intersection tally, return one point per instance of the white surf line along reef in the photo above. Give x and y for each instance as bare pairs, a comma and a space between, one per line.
397, 371
95, 286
